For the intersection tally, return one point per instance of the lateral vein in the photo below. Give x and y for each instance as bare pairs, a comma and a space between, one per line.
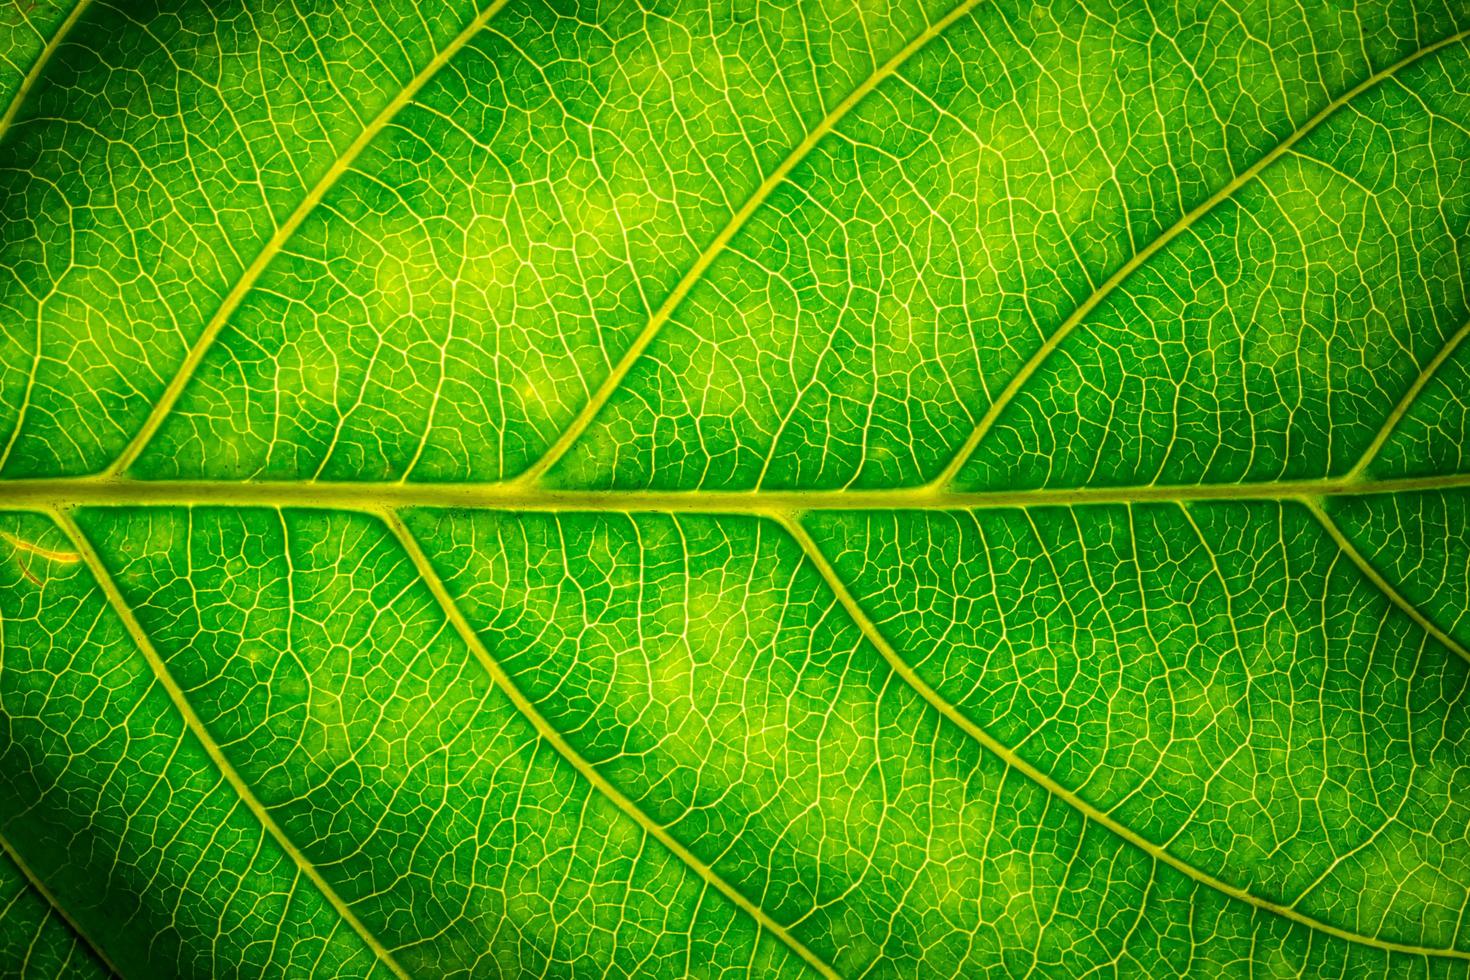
1088, 811
1426, 374
1351, 552
695, 273
283, 234
196, 726
39, 66
1140, 258
51, 899
563, 748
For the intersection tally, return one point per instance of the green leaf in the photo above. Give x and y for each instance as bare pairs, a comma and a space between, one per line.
576, 489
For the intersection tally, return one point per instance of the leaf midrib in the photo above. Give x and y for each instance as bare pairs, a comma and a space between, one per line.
510, 495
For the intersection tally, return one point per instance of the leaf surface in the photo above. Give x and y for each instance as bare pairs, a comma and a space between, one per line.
880, 490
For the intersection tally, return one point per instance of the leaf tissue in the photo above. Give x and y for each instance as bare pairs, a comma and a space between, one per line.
660, 488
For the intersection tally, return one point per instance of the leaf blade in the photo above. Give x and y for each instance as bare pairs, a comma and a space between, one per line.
520, 552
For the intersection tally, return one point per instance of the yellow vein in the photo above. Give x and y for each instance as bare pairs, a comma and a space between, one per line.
1087, 810
1382, 584
196, 726
273, 246
528, 708
34, 75
1402, 408
987, 421
99, 491
57, 907
712, 251
30, 548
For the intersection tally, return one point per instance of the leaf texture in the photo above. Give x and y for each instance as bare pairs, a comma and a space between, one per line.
682, 489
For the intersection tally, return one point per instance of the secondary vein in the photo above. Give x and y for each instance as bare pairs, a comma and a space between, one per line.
39, 65
1405, 403
1140, 258
196, 727
1088, 811
283, 234
695, 273
564, 748
40, 887
1382, 584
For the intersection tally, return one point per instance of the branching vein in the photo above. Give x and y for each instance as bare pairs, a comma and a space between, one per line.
37, 67
41, 889
585, 768
1088, 811
196, 726
1407, 402
987, 421
276, 242
1382, 584
660, 316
